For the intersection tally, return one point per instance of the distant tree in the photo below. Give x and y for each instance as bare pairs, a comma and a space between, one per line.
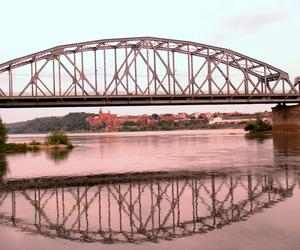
3, 133
129, 123
155, 116
69, 122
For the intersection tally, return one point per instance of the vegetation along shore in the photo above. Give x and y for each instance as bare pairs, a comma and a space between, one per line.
56, 140
107, 122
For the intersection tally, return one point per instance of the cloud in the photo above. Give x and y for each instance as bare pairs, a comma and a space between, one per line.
254, 22
238, 26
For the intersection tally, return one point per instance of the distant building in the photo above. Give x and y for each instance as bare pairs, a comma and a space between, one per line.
167, 117
107, 120
112, 121
216, 120
182, 116
198, 115
235, 118
142, 120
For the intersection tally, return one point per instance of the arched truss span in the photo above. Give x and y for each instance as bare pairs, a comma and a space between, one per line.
141, 71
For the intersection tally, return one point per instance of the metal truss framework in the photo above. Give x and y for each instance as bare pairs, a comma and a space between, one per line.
149, 209
141, 71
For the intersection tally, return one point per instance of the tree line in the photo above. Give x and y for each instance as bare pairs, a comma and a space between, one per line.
71, 122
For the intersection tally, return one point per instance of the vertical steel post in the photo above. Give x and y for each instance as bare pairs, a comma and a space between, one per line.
126, 74
168, 70
10, 87
75, 74
31, 67
246, 77
209, 73
174, 73
35, 78
104, 69
265, 82
227, 75
189, 68
96, 70
192, 75
82, 72
148, 69
135, 72
154, 73
59, 75
116, 70
53, 76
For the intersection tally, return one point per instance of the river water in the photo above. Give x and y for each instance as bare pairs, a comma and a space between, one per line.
205, 189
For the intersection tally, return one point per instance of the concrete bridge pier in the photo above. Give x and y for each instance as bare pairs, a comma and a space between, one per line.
286, 119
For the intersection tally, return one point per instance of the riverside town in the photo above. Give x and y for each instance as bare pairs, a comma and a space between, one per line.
113, 122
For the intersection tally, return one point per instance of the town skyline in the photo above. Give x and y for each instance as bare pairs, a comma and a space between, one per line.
27, 114
107, 110
111, 122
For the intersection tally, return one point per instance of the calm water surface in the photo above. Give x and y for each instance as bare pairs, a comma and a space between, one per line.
169, 190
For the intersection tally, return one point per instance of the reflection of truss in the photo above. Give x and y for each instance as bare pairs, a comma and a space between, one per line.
141, 71
142, 210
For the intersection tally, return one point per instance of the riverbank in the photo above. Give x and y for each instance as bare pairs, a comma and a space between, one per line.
146, 129
55, 141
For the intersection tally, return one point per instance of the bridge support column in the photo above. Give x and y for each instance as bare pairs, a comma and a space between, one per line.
286, 119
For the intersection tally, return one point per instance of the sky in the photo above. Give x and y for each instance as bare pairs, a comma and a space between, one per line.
267, 30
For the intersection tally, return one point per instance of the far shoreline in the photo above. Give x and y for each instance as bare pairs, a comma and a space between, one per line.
130, 131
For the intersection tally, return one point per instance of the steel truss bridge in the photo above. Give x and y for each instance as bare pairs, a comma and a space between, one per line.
141, 71
139, 207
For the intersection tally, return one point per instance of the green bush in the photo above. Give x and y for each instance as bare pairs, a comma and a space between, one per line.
34, 143
15, 147
58, 137
258, 126
3, 133
249, 126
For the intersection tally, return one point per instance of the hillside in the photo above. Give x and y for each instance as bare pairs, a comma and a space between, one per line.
71, 122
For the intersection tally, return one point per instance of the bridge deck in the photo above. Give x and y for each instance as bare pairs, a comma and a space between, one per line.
144, 100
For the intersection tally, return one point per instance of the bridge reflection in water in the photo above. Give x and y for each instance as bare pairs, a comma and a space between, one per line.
141, 206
